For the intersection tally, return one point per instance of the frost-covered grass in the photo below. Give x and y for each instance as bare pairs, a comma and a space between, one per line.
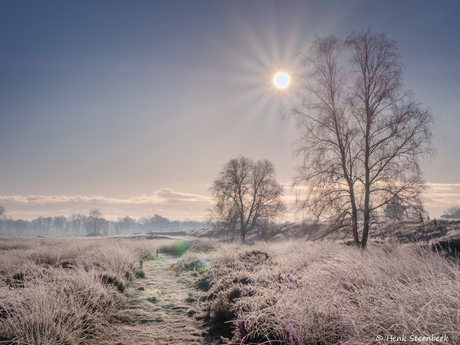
65, 291
327, 293
73, 291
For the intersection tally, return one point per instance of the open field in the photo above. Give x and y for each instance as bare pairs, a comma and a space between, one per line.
117, 291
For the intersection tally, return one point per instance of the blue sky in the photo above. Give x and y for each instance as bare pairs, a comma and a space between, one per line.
133, 106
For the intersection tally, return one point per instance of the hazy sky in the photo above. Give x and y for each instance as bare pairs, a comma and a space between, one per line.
134, 106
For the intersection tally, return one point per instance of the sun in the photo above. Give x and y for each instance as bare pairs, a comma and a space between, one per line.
281, 80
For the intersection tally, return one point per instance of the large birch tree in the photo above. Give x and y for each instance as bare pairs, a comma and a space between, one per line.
362, 136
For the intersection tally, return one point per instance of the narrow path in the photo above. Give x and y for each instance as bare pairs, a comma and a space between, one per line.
158, 310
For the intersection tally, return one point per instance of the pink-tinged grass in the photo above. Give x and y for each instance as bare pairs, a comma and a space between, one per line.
326, 293
65, 291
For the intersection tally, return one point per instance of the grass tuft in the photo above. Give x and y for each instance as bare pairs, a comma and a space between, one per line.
327, 293
65, 291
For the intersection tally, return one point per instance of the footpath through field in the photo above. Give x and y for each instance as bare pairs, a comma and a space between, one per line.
158, 310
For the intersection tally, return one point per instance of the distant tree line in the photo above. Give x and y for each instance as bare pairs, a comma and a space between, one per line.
94, 223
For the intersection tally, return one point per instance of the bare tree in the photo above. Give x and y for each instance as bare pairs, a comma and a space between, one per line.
246, 193
361, 136
59, 224
95, 223
451, 213
126, 224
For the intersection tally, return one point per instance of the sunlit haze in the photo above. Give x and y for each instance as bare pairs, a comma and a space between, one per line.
133, 107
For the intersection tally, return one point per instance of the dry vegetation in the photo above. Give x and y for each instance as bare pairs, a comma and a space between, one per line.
85, 291
326, 293
65, 291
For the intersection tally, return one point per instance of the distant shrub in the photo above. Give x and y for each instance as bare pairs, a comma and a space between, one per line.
152, 299
177, 248
451, 213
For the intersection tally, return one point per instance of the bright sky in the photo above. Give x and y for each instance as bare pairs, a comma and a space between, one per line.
133, 107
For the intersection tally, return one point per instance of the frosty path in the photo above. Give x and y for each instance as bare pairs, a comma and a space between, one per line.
158, 309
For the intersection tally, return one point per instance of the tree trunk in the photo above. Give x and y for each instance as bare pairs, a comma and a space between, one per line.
354, 213
243, 229
366, 218
354, 220
367, 180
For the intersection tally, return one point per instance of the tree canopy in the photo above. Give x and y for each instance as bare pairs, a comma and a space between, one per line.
246, 193
362, 136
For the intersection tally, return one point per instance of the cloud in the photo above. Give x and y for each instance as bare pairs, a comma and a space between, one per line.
441, 196
172, 204
162, 196
438, 198
165, 201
